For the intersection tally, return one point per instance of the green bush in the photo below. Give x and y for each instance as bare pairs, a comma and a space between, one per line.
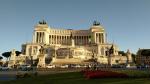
136, 73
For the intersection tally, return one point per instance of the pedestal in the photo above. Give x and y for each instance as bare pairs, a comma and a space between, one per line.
41, 63
128, 65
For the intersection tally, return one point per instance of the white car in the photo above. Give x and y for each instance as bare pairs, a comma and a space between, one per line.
4, 68
24, 67
77, 66
64, 66
50, 66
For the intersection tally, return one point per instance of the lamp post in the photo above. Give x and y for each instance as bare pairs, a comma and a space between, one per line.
110, 53
94, 60
31, 57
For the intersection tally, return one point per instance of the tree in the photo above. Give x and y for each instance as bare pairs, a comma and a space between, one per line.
18, 53
6, 54
145, 53
122, 52
133, 57
1, 57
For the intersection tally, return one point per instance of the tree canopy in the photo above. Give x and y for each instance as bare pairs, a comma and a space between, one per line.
145, 52
1, 57
18, 53
7, 54
122, 52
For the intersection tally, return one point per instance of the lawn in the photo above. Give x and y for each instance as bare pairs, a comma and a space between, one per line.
75, 78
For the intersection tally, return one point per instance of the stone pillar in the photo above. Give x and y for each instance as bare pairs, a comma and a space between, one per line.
46, 38
99, 50
129, 58
72, 42
56, 39
41, 56
37, 38
42, 37
99, 38
95, 37
12, 58
104, 37
60, 39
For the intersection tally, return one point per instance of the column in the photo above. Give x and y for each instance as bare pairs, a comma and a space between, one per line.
87, 39
36, 37
101, 37
56, 40
49, 38
104, 37
65, 39
42, 37
75, 40
52, 39
95, 37
84, 40
81, 42
60, 39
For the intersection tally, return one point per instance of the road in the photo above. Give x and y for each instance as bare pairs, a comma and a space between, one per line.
12, 73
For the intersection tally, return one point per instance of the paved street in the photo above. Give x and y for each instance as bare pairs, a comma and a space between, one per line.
12, 73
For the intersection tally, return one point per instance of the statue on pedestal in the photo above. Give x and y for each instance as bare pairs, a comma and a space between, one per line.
41, 57
12, 58
42, 50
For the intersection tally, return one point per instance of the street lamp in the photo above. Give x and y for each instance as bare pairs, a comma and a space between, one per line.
110, 53
31, 57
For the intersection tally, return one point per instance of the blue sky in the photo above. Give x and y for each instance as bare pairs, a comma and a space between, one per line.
127, 22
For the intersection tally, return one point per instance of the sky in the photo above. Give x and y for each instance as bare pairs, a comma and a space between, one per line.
127, 22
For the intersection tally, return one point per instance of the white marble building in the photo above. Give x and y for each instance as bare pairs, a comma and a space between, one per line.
68, 46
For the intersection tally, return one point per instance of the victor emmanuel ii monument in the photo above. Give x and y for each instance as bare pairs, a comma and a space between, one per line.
68, 46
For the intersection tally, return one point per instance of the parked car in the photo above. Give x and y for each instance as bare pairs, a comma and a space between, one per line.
50, 66
25, 67
64, 66
77, 66
115, 66
4, 68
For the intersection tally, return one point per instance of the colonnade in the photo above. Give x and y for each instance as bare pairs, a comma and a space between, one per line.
100, 38
66, 39
39, 36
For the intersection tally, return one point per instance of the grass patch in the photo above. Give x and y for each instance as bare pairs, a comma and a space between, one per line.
75, 78
136, 73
